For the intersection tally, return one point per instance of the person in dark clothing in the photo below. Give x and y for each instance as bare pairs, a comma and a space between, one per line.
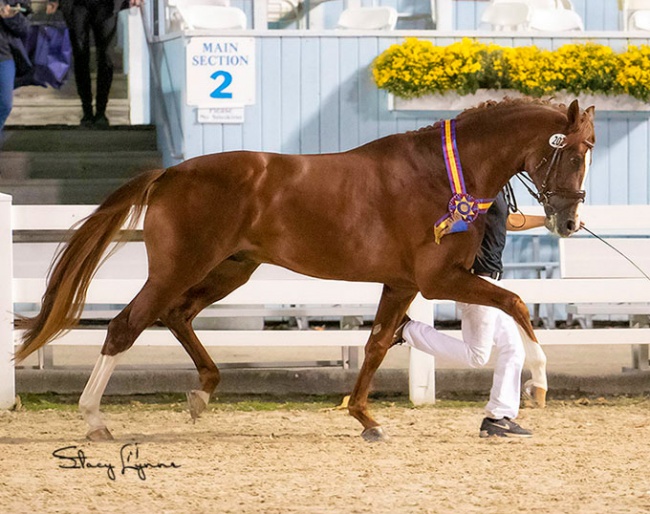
484, 327
13, 26
100, 17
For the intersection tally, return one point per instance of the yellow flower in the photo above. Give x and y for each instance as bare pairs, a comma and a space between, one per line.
415, 68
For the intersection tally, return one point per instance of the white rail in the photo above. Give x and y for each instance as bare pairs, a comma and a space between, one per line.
272, 286
7, 377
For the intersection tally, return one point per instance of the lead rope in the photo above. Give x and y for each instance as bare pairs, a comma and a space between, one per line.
526, 180
617, 251
511, 200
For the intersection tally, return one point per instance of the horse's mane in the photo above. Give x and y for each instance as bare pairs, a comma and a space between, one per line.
496, 105
509, 101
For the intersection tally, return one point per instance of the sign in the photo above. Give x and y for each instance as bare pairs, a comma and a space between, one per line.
221, 115
220, 71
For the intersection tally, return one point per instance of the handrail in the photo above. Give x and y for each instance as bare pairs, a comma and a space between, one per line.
157, 80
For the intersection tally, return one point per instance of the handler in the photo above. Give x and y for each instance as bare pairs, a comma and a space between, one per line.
484, 327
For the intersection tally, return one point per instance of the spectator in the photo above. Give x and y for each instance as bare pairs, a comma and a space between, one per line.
100, 16
13, 56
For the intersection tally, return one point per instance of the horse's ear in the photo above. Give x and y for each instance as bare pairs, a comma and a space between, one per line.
591, 111
573, 115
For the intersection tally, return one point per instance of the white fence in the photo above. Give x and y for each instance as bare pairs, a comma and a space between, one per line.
121, 277
270, 287
7, 377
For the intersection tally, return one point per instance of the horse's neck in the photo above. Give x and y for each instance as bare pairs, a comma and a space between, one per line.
501, 151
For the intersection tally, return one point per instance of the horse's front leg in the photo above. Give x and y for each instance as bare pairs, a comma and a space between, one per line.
461, 285
392, 307
456, 283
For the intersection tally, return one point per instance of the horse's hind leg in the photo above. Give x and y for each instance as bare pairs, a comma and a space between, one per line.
392, 307
220, 282
123, 330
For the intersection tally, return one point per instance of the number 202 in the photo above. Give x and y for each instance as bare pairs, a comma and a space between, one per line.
226, 80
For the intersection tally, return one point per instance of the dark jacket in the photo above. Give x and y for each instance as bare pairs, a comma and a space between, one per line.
118, 5
489, 258
11, 31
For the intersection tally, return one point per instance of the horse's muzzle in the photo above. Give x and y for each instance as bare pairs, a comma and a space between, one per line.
562, 226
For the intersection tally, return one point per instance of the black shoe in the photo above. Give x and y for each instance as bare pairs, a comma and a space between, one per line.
397, 336
503, 427
101, 121
87, 120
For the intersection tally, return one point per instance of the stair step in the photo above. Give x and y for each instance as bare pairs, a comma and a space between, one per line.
89, 166
119, 91
64, 113
57, 191
35, 105
68, 139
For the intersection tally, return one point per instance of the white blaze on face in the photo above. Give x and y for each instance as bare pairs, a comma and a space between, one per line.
584, 179
587, 164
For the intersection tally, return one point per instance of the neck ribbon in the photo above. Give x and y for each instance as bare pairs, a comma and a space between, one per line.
463, 207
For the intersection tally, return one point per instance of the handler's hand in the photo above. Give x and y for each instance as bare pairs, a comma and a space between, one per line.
7, 12
136, 3
51, 7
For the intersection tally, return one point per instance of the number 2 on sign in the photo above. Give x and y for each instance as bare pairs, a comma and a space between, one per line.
226, 80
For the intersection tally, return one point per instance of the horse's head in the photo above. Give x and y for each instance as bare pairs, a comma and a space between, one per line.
559, 170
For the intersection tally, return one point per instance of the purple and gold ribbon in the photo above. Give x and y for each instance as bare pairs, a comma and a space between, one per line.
463, 208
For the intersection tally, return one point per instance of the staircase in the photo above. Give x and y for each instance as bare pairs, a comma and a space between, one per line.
63, 164
47, 158
36, 105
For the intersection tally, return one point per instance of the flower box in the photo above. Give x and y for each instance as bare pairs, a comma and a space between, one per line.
452, 101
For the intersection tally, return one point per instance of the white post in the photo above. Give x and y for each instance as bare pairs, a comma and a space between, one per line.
7, 374
260, 15
138, 69
422, 366
444, 15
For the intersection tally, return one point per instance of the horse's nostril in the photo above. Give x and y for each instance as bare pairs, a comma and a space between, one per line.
571, 226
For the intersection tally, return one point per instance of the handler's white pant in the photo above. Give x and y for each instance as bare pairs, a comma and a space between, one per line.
482, 327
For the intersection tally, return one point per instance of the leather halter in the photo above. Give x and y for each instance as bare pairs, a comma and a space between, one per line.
557, 142
463, 207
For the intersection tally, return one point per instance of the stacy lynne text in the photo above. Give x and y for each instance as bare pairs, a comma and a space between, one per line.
73, 457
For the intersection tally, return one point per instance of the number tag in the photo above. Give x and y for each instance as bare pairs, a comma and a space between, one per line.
557, 141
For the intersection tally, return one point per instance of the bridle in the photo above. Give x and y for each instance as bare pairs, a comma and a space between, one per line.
544, 195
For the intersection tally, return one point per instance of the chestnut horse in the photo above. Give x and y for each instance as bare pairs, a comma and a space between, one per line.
371, 214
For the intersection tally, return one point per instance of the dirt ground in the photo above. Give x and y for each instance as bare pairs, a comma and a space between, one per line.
582, 459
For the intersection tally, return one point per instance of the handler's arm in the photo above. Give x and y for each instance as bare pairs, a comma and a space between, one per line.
519, 221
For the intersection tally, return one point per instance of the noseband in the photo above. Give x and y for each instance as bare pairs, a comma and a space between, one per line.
544, 195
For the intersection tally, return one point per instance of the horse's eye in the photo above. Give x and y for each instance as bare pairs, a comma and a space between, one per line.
575, 161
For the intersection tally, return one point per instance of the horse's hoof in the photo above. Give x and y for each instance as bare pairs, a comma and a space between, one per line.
539, 395
196, 403
99, 434
374, 435
535, 396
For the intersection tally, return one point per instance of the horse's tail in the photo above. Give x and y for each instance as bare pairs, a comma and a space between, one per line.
76, 263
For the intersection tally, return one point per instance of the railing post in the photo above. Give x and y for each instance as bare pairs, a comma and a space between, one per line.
7, 375
422, 366
260, 15
444, 15
138, 69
